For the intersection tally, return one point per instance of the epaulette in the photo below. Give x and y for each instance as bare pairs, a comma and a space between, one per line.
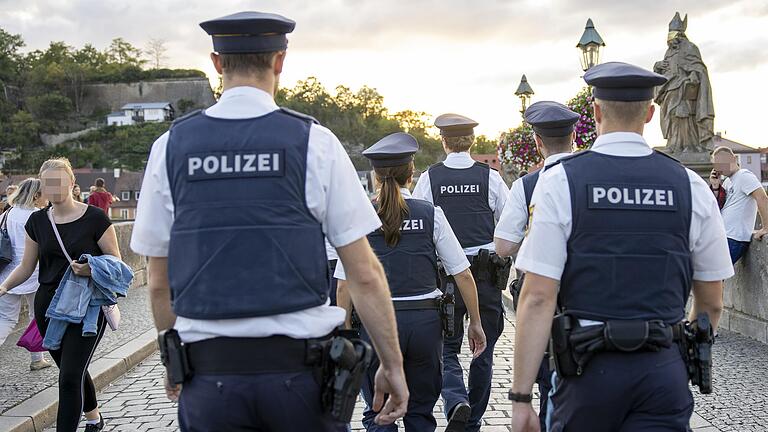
664, 154
297, 114
186, 117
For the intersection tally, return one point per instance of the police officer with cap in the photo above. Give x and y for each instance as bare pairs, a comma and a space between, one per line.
472, 195
553, 125
414, 234
626, 233
244, 279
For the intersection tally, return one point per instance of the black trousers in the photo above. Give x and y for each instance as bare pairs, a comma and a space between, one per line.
77, 393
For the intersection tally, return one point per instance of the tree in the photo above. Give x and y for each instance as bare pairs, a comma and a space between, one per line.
483, 145
50, 107
10, 58
156, 50
124, 54
20, 133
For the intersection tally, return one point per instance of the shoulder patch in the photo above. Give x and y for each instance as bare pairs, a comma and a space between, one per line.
299, 115
186, 117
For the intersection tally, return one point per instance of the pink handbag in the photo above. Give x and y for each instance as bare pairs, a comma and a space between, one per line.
31, 340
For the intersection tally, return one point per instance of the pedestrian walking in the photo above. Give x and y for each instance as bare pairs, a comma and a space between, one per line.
413, 236
24, 201
83, 230
242, 283
619, 236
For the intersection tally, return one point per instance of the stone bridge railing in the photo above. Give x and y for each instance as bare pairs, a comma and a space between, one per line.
136, 262
746, 294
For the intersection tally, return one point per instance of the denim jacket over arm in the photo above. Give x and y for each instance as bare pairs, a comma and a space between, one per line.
79, 299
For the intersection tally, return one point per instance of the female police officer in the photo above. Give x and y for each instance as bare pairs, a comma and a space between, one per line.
413, 235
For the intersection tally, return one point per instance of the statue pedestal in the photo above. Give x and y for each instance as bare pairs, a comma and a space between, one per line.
699, 162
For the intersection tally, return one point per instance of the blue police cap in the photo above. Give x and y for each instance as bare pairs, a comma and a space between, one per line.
392, 150
455, 125
616, 81
249, 32
551, 119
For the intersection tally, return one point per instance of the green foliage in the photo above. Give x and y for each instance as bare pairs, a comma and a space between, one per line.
359, 118
483, 145
10, 59
50, 106
183, 106
586, 128
20, 132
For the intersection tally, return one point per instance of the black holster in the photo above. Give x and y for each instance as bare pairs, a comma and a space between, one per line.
502, 268
448, 312
345, 361
487, 266
173, 355
514, 289
696, 340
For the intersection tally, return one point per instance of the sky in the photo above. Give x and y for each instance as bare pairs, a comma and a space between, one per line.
443, 56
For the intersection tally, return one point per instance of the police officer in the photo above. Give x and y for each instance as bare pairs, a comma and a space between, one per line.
245, 281
627, 233
414, 234
552, 125
472, 195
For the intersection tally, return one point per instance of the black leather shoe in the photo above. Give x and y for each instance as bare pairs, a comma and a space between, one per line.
459, 418
95, 427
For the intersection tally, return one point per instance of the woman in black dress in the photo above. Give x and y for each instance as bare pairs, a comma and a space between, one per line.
84, 230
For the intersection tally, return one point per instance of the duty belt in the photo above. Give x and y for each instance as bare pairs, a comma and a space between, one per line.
236, 356
406, 305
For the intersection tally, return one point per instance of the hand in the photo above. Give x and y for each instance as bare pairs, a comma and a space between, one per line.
714, 179
757, 235
3, 290
524, 418
390, 383
476, 338
173, 391
81, 269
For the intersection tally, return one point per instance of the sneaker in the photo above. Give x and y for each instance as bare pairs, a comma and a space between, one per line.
95, 427
459, 418
39, 364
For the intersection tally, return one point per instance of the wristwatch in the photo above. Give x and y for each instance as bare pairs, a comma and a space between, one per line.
520, 397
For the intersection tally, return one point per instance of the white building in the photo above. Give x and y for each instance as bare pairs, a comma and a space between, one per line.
133, 113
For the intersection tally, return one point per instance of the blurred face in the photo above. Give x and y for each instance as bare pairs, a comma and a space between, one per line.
57, 185
725, 163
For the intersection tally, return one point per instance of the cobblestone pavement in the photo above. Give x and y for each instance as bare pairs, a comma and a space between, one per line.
17, 383
137, 402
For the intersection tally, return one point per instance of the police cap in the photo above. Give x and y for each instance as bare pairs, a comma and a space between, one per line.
551, 119
455, 125
616, 81
392, 150
249, 32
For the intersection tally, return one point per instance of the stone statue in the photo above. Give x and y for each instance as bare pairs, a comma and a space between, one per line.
687, 112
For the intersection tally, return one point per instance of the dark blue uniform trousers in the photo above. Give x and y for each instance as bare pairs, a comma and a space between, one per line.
421, 341
478, 389
544, 381
268, 402
625, 392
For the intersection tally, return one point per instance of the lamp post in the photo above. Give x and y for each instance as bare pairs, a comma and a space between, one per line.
524, 92
590, 45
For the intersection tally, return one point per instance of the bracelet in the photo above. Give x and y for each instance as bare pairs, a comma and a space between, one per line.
520, 397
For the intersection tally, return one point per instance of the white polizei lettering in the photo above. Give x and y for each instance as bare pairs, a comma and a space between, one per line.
249, 160
225, 169
210, 164
614, 195
412, 224
598, 193
442, 189
648, 197
195, 163
671, 199
661, 197
637, 196
275, 161
264, 162
627, 199
237, 163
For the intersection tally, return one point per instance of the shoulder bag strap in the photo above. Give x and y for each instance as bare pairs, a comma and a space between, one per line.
58, 236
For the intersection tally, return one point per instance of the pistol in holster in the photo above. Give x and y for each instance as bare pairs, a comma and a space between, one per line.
515, 288
173, 355
447, 304
345, 361
481, 266
502, 268
696, 340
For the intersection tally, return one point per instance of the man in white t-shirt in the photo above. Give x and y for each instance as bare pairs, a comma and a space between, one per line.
745, 196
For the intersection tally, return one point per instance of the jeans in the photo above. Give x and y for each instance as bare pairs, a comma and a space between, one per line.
737, 249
